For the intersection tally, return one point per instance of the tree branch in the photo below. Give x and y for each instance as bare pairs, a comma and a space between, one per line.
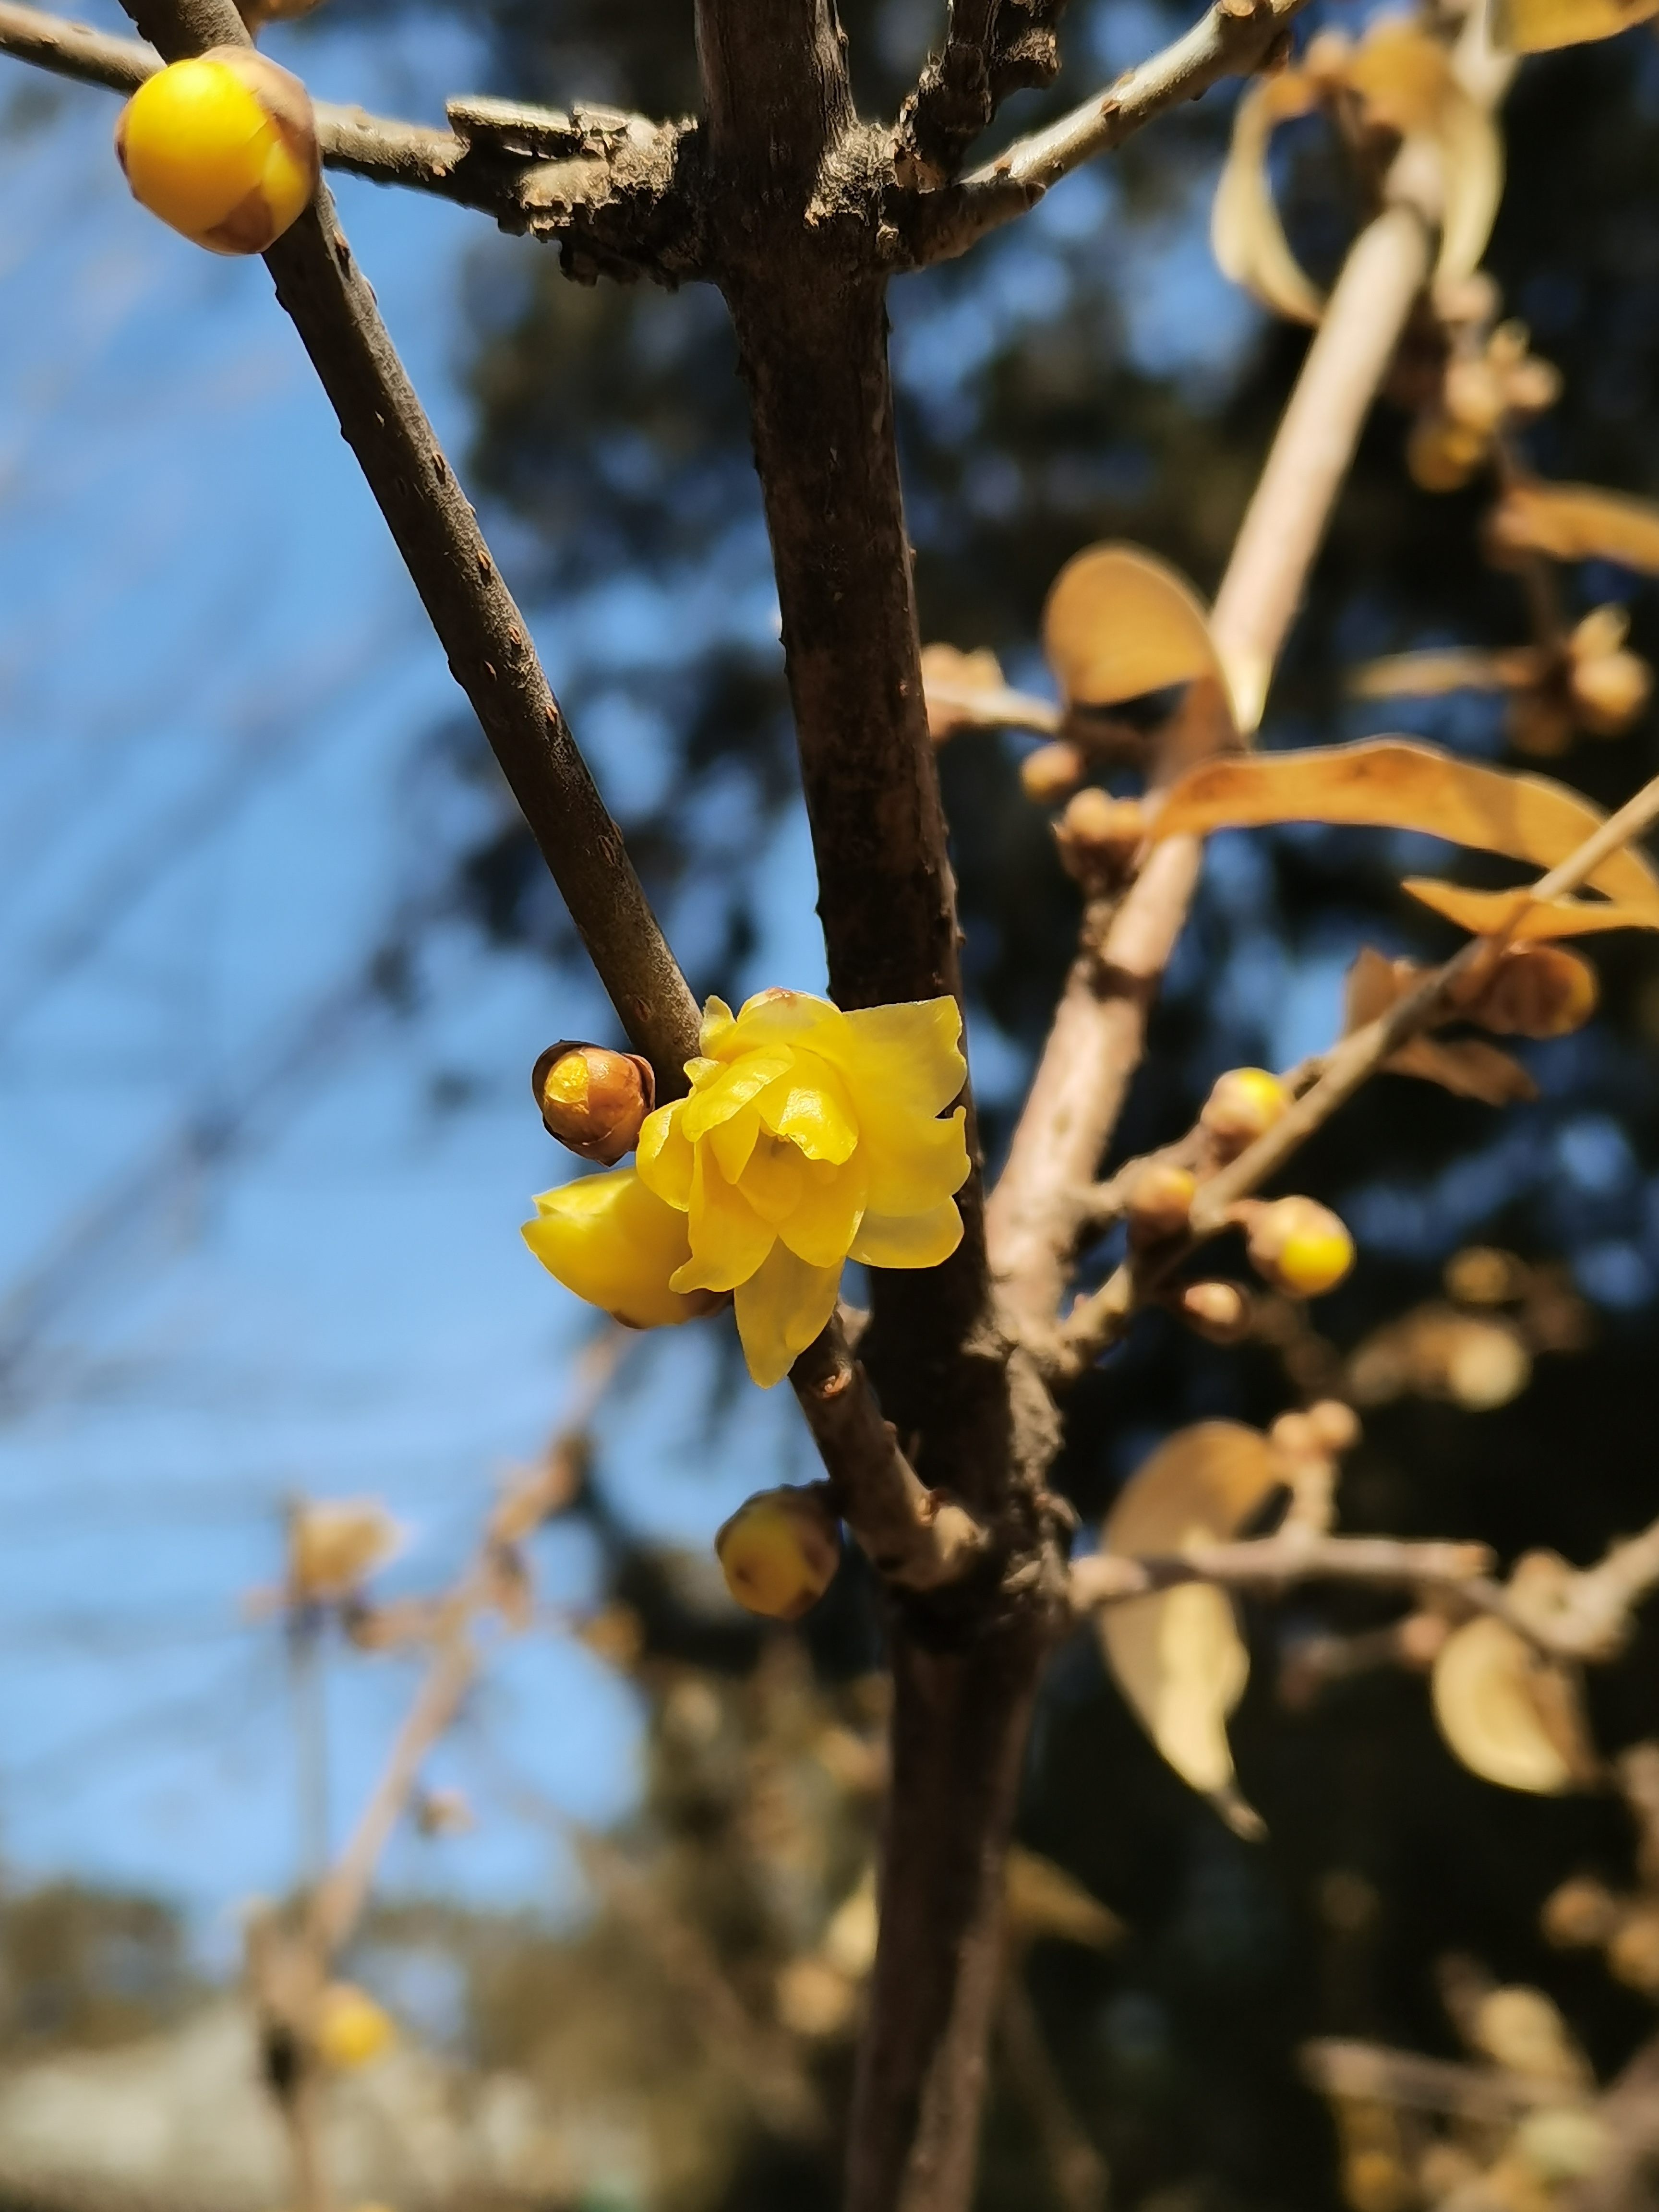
1230, 40
1099, 1321
1099, 1030
993, 48
1271, 1562
603, 184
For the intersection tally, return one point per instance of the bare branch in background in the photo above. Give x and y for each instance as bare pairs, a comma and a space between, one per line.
1274, 1562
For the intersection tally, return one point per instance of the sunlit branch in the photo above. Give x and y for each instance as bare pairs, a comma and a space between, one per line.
1228, 41
1100, 1321
1273, 1562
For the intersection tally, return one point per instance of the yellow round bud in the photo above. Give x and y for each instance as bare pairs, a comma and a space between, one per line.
223, 147
1582, 1912
1610, 690
1217, 1311
1051, 773
1334, 1424
1160, 1200
592, 1100
351, 2028
779, 1552
1443, 455
1535, 991
1300, 1247
1634, 1954
1475, 396
1245, 1104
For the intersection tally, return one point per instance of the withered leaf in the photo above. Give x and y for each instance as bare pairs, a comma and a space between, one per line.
1535, 26
1512, 1716
1246, 235
1120, 623
1579, 522
1486, 913
1467, 1067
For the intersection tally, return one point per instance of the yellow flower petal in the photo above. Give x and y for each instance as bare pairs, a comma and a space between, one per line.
908, 1055
713, 1103
913, 1165
718, 1021
772, 1181
613, 1242
781, 1310
909, 1240
729, 1240
663, 1156
825, 1220
810, 1107
734, 1141
774, 1018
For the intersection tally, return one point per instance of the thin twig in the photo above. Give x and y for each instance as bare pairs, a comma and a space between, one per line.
1227, 41
1272, 1562
1100, 1321
1377, 2075
594, 181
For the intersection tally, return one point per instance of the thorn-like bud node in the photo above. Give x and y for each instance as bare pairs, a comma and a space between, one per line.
1160, 1202
1243, 1105
779, 1552
1098, 835
223, 146
593, 1100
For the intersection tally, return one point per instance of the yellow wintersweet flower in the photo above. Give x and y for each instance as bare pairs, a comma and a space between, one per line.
810, 1137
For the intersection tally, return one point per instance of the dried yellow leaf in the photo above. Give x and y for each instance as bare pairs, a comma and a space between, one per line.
1510, 1715
1246, 235
1177, 1654
1579, 522
1120, 623
1044, 1900
1487, 914
1537, 27
1387, 783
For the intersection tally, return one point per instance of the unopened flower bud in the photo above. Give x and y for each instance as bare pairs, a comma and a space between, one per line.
1609, 690
1535, 991
1582, 1912
1295, 1435
1443, 455
1245, 1104
592, 1100
1051, 773
221, 146
779, 1552
1160, 1202
351, 2028
1217, 1311
1474, 395
1634, 1954
1300, 1247
1098, 834
1335, 1424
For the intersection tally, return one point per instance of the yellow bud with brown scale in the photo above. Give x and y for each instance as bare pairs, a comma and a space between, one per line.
780, 1550
595, 1101
1299, 1246
223, 148
1160, 1202
1243, 1105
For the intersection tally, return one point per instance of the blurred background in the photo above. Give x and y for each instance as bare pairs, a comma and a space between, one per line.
275, 957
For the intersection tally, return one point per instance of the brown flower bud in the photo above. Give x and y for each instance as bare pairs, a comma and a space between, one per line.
1634, 1954
1243, 1105
1160, 1200
1098, 834
1475, 395
1582, 1912
1443, 455
593, 1100
1295, 1435
1609, 690
1051, 773
1300, 1247
1217, 1311
1534, 990
1335, 1424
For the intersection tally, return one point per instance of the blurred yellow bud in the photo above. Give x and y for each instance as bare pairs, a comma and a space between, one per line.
1217, 1311
1610, 690
592, 1100
1160, 1200
1475, 396
1441, 454
1051, 773
1245, 1104
779, 1552
351, 2028
334, 1545
1300, 1247
616, 1244
1536, 991
1098, 834
223, 148
1580, 1913
1634, 1953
